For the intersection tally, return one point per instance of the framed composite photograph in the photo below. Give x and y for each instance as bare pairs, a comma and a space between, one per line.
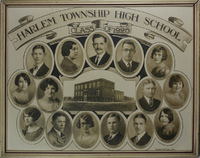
99, 78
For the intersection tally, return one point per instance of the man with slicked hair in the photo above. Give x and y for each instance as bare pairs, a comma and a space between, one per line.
142, 137
113, 124
148, 102
100, 46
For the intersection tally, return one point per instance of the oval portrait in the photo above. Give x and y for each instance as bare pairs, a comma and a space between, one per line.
39, 59
31, 124
49, 94
149, 95
140, 131
99, 50
176, 90
113, 130
159, 61
129, 57
86, 130
22, 89
167, 124
59, 129
69, 57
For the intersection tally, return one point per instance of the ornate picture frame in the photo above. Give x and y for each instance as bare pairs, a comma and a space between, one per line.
99, 78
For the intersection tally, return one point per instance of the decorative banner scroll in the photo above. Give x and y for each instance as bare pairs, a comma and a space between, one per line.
30, 29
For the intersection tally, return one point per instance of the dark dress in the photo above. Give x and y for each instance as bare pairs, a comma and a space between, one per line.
167, 132
160, 72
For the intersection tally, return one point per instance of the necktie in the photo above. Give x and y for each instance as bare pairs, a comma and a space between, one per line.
136, 139
97, 60
151, 101
35, 67
129, 67
62, 136
109, 138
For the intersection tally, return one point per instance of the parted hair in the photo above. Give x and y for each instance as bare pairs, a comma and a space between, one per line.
38, 46
47, 82
175, 78
24, 76
160, 49
65, 51
58, 114
169, 113
97, 35
140, 116
86, 117
33, 112
128, 42
114, 115
148, 81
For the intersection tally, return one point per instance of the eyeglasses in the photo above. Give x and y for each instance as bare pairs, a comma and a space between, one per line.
84, 124
129, 50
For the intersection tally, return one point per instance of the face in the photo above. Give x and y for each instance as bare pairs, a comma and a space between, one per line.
38, 56
28, 120
140, 125
157, 57
113, 125
128, 52
50, 91
73, 52
59, 123
177, 86
23, 84
85, 126
164, 118
149, 90
99, 45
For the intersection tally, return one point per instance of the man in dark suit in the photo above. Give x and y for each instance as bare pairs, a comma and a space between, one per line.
113, 124
148, 102
39, 69
100, 45
126, 63
142, 137
56, 136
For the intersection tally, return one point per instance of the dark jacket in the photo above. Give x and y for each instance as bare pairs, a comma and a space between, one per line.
123, 66
103, 60
42, 71
143, 141
145, 105
114, 141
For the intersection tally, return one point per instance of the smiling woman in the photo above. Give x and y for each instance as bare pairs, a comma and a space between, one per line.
20, 95
31, 131
48, 102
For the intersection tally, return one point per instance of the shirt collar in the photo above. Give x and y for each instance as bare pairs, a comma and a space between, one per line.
59, 133
141, 135
148, 99
126, 63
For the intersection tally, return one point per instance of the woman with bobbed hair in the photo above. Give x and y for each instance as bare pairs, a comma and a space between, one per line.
69, 52
31, 131
175, 96
159, 54
88, 138
48, 103
168, 130
21, 95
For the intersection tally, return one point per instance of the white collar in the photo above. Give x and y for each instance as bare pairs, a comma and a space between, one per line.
59, 133
100, 56
148, 99
113, 135
141, 135
126, 63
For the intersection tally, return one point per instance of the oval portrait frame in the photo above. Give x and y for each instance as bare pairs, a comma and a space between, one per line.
41, 121
157, 95
176, 122
75, 128
89, 48
131, 131
106, 132
13, 87
58, 95
67, 131
59, 57
48, 60
139, 57
149, 61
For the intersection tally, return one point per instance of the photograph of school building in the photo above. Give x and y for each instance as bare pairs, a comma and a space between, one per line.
98, 90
